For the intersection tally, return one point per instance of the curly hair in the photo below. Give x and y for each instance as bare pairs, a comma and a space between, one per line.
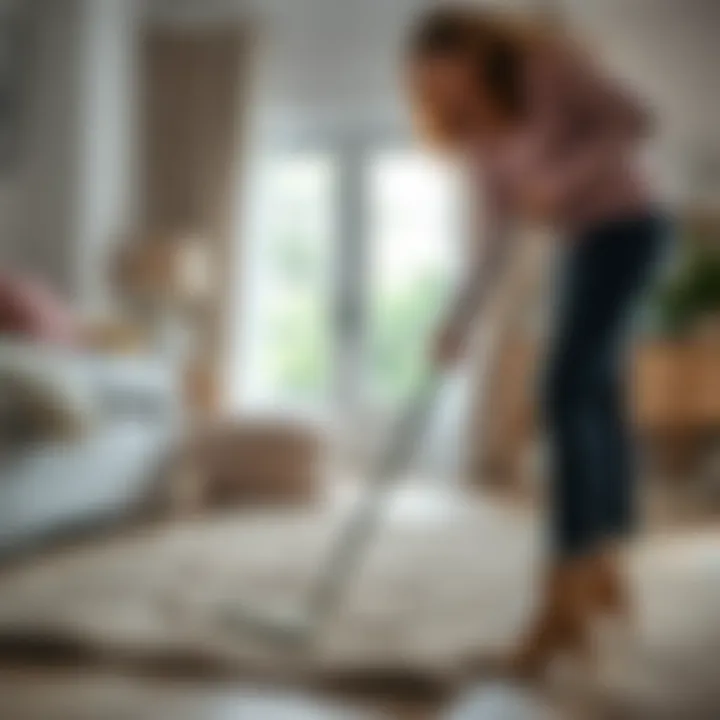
494, 44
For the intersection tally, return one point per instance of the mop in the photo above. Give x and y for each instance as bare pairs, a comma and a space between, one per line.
297, 629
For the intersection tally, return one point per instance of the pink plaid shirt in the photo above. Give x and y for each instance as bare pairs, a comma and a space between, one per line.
576, 150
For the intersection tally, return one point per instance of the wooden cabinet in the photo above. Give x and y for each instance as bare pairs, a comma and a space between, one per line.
676, 387
676, 400
674, 396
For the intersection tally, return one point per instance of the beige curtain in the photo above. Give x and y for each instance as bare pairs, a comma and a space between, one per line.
193, 87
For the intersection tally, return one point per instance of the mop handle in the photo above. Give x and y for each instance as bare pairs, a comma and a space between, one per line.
407, 431
365, 518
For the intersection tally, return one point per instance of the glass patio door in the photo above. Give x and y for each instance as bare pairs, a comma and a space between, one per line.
353, 255
413, 216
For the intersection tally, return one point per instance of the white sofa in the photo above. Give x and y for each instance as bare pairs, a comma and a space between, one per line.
61, 487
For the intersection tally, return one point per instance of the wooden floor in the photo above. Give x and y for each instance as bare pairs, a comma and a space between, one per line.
75, 695
43, 695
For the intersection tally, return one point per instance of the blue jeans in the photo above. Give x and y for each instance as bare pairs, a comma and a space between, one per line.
603, 274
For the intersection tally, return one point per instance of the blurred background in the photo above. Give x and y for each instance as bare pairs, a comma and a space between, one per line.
221, 256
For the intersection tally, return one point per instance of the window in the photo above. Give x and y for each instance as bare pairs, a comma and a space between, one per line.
413, 229
290, 326
388, 222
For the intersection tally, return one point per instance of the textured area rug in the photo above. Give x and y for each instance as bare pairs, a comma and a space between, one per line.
445, 576
446, 579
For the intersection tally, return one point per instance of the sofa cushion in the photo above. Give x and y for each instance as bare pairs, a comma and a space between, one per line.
31, 310
37, 403
59, 489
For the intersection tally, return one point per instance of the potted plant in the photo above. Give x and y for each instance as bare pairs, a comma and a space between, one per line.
689, 303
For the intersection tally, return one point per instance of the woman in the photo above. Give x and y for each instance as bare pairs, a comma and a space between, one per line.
551, 139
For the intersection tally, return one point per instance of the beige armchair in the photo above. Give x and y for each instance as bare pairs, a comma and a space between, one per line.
238, 463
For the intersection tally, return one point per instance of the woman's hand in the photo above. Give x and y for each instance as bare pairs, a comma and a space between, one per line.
448, 347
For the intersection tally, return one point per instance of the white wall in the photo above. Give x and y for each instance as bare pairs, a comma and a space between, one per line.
39, 195
69, 196
669, 50
10, 181
105, 206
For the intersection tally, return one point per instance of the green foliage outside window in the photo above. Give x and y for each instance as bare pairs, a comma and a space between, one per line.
692, 295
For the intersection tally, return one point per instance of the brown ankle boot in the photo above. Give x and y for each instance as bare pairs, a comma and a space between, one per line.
562, 624
608, 588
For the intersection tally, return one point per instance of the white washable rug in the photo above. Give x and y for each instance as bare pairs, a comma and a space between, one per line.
447, 578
